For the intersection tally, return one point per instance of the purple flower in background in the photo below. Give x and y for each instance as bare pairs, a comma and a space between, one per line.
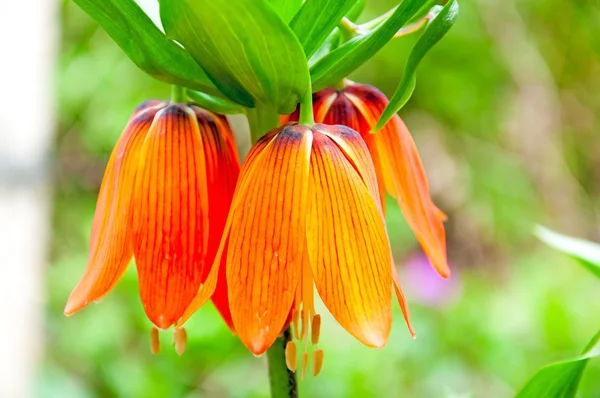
425, 286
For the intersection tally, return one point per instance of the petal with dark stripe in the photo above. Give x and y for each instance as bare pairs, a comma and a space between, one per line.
222, 170
347, 245
267, 236
110, 240
170, 217
403, 174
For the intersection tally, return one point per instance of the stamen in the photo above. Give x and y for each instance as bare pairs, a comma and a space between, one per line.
303, 323
315, 331
317, 362
290, 355
304, 364
295, 315
180, 340
154, 341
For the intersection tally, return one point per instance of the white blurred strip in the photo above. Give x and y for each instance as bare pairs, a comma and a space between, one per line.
151, 9
28, 42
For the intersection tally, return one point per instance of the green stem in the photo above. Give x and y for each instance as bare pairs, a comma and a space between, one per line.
282, 380
306, 109
261, 119
177, 94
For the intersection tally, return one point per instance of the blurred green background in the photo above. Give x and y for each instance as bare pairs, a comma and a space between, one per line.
506, 117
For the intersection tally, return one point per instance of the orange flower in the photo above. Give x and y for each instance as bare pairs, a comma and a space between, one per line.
164, 201
397, 163
306, 212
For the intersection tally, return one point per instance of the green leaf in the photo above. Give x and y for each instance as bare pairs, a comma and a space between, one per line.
316, 20
246, 49
352, 54
214, 104
585, 252
356, 10
435, 30
286, 8
128, 25
560, 379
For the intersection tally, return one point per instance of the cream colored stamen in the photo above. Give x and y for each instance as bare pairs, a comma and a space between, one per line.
295, 316
154, 341
304, 364
180, 340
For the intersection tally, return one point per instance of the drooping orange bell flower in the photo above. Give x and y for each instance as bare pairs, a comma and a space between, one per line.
164, 201
306, 212
397, 162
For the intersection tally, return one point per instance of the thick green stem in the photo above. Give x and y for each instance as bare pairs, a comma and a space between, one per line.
261, 119
282, 380
306, 109
177, 94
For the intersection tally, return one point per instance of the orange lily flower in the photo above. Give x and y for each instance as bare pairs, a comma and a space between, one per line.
164, 201
397, 162
306, 213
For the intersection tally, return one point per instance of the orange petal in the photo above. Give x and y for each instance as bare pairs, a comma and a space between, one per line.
110, 240
170, 216
343, 112
402, 300
222, 170
220, 296
266, 236
356, 151
403, 176
347, 245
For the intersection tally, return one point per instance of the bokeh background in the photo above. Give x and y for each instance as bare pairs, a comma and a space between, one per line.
506, 118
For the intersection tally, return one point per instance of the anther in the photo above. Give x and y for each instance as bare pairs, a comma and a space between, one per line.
290, 355
317, 362
315, 330
154, 341
304, 364
180, 340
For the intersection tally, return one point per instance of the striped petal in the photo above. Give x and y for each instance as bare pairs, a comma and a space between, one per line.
222, 170
347, 245
356, 151
403, 174
110, 240
170, 216
266, 236
221, 290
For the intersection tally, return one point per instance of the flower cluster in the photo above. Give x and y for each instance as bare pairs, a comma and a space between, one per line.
304, 213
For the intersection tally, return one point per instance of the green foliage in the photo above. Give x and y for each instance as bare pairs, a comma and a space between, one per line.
286, 8
251, 55
585, 252
315, 21
435, 30
218, 105
147, 46
346, 58
561, 379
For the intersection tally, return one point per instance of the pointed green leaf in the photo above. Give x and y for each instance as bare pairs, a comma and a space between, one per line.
316, 20
346, 58
585, 252
560, 379
128, 25
214, 104
435, 30
246, 49
286, 8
